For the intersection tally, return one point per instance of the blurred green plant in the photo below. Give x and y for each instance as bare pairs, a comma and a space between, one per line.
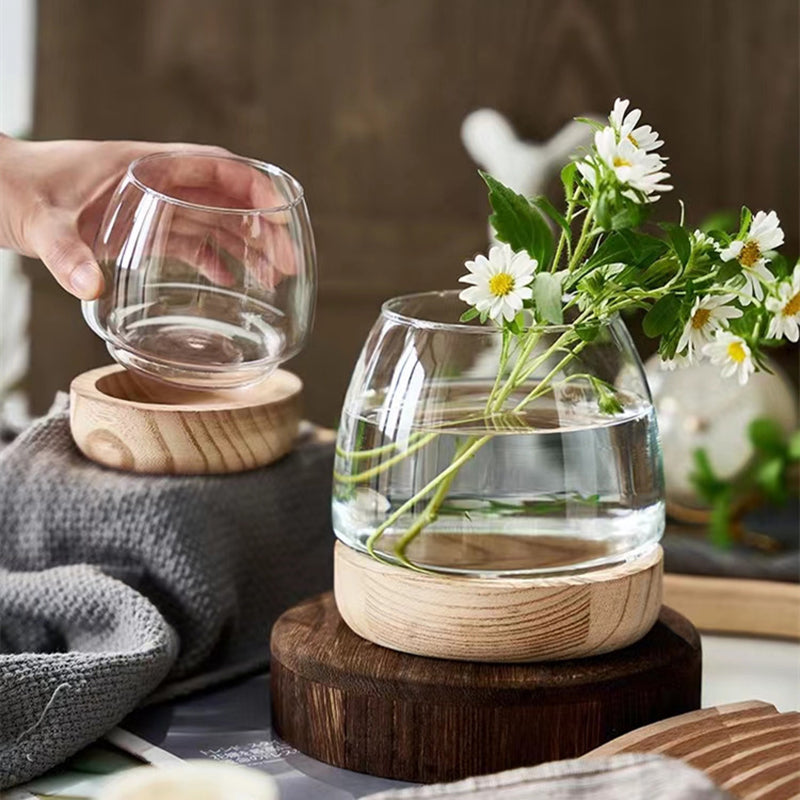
768, 479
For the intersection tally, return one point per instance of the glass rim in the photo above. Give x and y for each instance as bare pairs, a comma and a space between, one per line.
261, 166
389, 309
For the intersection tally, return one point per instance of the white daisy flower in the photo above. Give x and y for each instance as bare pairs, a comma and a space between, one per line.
499, 282
625, 124
733, 352
633, 167
708, 314
764, 234
786, 309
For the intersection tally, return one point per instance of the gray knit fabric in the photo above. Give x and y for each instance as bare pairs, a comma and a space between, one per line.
631, 776
111, 583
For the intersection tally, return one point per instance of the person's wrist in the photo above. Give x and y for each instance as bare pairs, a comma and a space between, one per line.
15, 193
6, 239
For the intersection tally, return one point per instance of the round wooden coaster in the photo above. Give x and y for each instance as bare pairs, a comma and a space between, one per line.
351, 703
123, 420
498, 619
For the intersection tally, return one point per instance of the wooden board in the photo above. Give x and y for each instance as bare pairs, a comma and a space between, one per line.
736, 605
128, 422
498, 618
747, 748
351, 703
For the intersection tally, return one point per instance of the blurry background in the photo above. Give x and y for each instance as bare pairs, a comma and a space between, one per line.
363, 101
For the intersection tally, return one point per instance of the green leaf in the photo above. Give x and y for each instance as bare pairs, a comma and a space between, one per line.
607, 400
568, 178
628, 215
680, 241
706, 483
469, 314
628, 247
660, 271
547, 297
744, 222
770, 479
542, 203
587, 331
516, 325
793, 447
517, 223
767, 436
728, 271
662, 316
719, 525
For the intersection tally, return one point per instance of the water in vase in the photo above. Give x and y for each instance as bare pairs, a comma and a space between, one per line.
559, 486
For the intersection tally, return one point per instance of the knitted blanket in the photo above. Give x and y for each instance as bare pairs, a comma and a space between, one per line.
113, 585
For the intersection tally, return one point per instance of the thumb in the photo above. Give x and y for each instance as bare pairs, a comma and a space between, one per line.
69, 258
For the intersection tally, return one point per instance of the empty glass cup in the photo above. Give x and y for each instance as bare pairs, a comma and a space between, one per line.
209, 267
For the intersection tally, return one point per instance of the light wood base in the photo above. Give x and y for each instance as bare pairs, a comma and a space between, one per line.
736, 605
747, 749
343, 700
129, 422
498, 619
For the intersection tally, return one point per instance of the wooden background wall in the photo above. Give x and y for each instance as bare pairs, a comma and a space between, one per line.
363, 99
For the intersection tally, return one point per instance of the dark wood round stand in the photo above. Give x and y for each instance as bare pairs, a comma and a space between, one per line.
354, 704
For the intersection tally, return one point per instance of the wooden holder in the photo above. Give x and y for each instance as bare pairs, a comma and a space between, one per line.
498, 619
748, 749
129, 422
351, 703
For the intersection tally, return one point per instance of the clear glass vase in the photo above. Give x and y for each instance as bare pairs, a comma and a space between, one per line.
463, 450
209, 267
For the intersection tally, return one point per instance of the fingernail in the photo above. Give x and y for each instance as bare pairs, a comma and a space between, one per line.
86, 280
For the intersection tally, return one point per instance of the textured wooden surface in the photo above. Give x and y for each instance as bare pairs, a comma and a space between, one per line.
134, 424
351, 703
363, 102
498, 619
735, 605
747, 748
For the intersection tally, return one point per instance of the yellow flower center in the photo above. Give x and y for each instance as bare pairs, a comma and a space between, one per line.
700, 318
621, 162
792, 307
632, 140
736, 352
501, 284
750, 254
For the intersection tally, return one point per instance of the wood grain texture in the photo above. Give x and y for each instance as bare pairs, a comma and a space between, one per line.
348, 702
748, 749
131, 423
498, 619
363, 102
736, 605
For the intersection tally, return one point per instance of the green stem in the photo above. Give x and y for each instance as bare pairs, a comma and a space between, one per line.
430, 513
454, 466
360, 455
384, 465
584, 239
443, 481
565, 238
544, 384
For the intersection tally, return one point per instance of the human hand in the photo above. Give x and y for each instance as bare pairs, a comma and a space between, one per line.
53, 196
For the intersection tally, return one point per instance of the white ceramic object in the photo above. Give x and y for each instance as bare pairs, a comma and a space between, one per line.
191, 780
697, 407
